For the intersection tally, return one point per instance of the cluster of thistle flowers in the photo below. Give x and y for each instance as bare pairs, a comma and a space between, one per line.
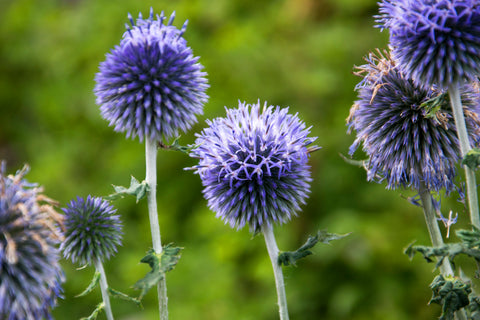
32, 235
402, 117
252, 162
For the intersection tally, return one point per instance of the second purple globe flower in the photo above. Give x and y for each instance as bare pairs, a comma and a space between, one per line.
253, 165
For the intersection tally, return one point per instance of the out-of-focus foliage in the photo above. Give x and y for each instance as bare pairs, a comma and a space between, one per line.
297, 53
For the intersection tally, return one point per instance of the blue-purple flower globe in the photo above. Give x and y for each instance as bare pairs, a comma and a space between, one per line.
92, 230
407, 131
30, 273
253, 165
435, 42
151, 86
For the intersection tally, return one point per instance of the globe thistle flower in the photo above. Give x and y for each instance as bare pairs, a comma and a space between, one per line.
253, 165
151, 85
92, 230
434, 41
30, 274
408, 131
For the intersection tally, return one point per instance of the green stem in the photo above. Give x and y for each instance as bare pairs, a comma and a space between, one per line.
436, 235
456, 102
151, 178
104, 289
273, 251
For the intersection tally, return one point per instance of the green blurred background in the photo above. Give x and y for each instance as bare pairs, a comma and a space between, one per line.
297, 53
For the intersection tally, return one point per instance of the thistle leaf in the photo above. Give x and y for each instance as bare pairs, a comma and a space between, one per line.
291, 257
137, 189
175, 146
160, 264
95, 312
91, 286
451, 293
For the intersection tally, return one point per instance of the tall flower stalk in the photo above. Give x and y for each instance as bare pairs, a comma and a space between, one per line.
151, 179
253, 166
151, 87
465, 147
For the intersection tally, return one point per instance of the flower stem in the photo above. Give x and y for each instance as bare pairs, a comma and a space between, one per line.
436, 235
277, 271
151, 178
104, 289
432, 226
465, 147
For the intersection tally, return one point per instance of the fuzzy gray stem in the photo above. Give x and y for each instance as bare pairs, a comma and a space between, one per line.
273, 251
104, 289
465, 147
436, 235
151, 179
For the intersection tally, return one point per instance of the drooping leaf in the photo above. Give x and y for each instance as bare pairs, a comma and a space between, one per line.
120, 295
95, 312
160, 264
91, 286
291, 257
136, 188
472, 158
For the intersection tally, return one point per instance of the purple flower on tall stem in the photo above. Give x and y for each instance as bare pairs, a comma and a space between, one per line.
30, 273
253, 165
92, 230
434, 41
407, 131
151, 85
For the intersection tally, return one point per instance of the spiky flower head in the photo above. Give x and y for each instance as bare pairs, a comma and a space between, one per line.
434, 41
92, 230
151, 85
30, 273
253, 165
407, 131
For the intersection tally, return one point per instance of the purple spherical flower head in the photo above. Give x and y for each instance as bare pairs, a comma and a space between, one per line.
253, 165
92, 230
434, 41
408, 131
151, 85
30, 273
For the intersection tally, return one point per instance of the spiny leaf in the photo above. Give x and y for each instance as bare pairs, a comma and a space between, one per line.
175, 146
120, 295
160, 264
291, 257
137, 189
472, 158
470, 237
91, 286
451, 293
95, 312
325, 237
358, 163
